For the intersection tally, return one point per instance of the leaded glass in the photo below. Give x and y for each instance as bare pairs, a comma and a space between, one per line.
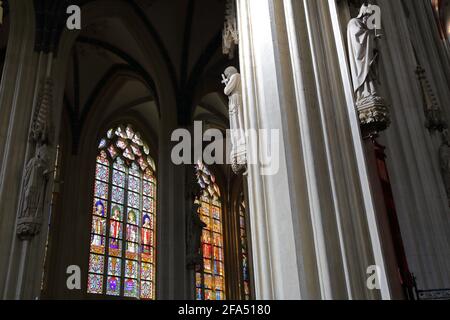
115, 229
99, 207
132, 251
146, 290
142, 164
146, 271
121, 143
119, 164
103, 159
130, 133
96, 263
114, 266
132, 233
113, 286
119, 178
122, 167
129, 154
112, 151
137, 139
120, 132
135, 170
147, 204
101, 190
132, 217
133, 200
147, 188
134, 184
116, 212
131, 288
147, 221
102, 173
146, 149
97, 244
118, 194
131, 269
136, 150
98, 226
102, 144
115, 247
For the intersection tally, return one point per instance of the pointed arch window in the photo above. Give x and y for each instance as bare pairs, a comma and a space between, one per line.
244, 249
122, 259
210, 275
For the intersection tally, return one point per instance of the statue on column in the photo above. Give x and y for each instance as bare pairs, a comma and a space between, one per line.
37, 170
233, 89
364, 58
34, 190
195, 228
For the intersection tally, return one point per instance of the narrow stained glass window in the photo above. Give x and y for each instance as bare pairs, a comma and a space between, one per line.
210, 276
122, 252
244, 250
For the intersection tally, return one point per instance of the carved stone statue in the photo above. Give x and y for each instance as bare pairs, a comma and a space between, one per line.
34, 191
434, 118
364, 58
233, 89
363, 55
444, 160
194, 228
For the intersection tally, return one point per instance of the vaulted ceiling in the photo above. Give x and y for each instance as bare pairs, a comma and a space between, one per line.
136, 46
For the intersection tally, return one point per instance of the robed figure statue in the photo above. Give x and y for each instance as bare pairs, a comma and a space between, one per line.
364, 58
233, 89
363, 55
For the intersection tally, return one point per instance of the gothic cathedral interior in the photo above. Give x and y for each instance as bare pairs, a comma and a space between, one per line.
225, 149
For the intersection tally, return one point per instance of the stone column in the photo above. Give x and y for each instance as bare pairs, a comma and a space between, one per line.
33, 75
412, 151
314, 228
21, 77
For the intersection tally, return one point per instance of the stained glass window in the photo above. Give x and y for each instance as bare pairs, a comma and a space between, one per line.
210, 275
244, 250
122, 252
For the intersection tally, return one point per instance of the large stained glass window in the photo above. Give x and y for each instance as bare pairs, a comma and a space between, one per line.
245, 289
122, 251
210, 276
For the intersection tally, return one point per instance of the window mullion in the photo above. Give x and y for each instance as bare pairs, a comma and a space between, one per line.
124, 232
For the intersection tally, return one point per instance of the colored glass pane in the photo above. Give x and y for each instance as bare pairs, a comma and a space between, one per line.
122, 246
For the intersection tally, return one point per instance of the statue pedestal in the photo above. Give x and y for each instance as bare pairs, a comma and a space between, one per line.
373, 115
